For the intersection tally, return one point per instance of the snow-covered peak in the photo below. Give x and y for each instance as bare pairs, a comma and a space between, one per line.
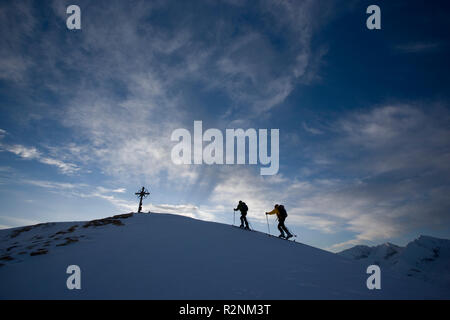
376, 254
431, 242
426, 258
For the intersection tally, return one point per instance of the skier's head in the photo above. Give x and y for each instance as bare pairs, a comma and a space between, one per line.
240, 201
276, 206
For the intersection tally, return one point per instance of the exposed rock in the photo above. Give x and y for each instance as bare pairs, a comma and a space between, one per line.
39, 252
6, 258
110, 220
69, 240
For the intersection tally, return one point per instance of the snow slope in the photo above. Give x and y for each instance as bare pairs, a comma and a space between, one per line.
161, 256
425, 258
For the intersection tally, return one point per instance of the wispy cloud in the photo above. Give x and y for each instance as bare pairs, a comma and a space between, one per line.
53, 184
188, 210
418, 47
123, 137
83, 190
14, 64
31, 153
106, 190
396, 162
12, 222
311, 130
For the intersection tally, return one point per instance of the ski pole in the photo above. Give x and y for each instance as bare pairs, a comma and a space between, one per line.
234, 217
291, 232
268, 227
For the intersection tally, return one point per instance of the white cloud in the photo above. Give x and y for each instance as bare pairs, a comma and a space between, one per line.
31, 153
398, 137
63, 186
14, 65
311, 130
188, 210
83, 190
22, 151
127, 135
395, 160
417, 47
17, 222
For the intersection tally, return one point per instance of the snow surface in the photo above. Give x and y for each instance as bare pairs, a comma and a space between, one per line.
425, 258
162, 256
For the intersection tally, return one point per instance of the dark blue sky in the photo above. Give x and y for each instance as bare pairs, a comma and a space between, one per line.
86, 116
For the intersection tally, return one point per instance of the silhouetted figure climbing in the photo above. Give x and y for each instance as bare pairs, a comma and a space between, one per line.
242, 207
281, 213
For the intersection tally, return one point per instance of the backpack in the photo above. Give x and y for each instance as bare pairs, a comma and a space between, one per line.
244, 207
282, 211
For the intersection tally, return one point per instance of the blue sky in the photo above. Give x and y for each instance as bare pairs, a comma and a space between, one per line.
86, 116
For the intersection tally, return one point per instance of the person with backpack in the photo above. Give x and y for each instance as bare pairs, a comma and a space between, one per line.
281, 213
242, 207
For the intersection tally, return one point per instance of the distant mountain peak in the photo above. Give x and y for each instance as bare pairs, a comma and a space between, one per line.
426, 258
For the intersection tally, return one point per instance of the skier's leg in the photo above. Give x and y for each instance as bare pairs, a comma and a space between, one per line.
280, 227
242, 222
283, 226
245, 221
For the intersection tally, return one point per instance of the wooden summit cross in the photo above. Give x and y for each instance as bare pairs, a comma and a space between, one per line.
141, 195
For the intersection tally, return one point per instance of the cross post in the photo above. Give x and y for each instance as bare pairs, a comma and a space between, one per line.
141, 195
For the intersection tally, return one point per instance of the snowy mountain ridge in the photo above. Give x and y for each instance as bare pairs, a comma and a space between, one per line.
426, 258
165, 256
